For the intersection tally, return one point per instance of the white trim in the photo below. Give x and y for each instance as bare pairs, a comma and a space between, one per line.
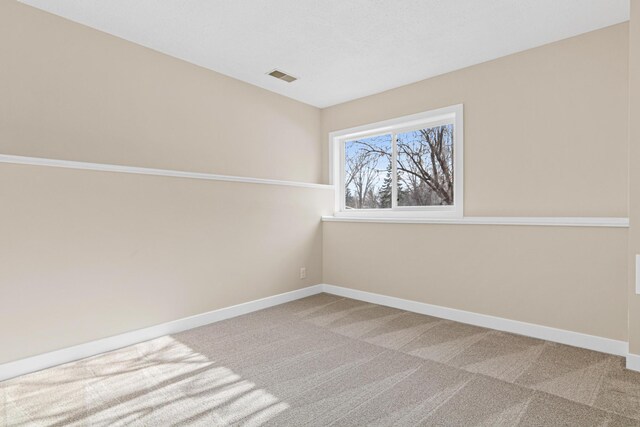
103, 167
576, 339
633, 362
453, 115
394, 174
637, 272
70, 354
508, 220
388, 125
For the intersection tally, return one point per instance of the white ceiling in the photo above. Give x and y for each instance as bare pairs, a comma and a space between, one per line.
339, 49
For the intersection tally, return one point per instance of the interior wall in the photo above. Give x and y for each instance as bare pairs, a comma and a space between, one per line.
74, 93
90, 254
634, 174
569, 278
85, 254
545, 129
545, 135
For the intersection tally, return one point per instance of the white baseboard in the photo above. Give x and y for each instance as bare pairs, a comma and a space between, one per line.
576, 339
633, 362
70, 354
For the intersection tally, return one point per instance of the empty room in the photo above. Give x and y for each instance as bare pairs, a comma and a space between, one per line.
319, 213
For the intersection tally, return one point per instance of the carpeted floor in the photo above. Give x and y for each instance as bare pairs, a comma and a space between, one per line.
327, 360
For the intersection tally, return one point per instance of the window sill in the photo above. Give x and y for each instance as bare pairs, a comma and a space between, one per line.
511, 220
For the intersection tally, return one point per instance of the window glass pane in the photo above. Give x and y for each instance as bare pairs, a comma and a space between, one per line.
425, 167
368, 180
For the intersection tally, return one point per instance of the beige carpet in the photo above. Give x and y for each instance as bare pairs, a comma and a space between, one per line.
326, 360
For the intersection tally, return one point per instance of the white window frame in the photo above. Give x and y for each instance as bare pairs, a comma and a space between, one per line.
447, 115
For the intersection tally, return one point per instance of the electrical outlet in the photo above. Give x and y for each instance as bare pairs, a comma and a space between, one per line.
303, 273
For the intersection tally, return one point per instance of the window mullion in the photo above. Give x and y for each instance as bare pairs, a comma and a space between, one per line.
342, 189
394, 172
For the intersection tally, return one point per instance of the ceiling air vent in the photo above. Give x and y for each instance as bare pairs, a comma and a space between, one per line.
282, 76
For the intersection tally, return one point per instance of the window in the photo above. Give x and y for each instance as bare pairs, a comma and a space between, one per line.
410, 166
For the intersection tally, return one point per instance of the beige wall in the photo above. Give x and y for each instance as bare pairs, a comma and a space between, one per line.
70, 92
566, 277
90, 254
86, 255
634, 175
545, 129
545, 135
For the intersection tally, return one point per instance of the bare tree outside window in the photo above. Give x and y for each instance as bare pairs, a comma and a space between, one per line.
425, 166
366, 163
